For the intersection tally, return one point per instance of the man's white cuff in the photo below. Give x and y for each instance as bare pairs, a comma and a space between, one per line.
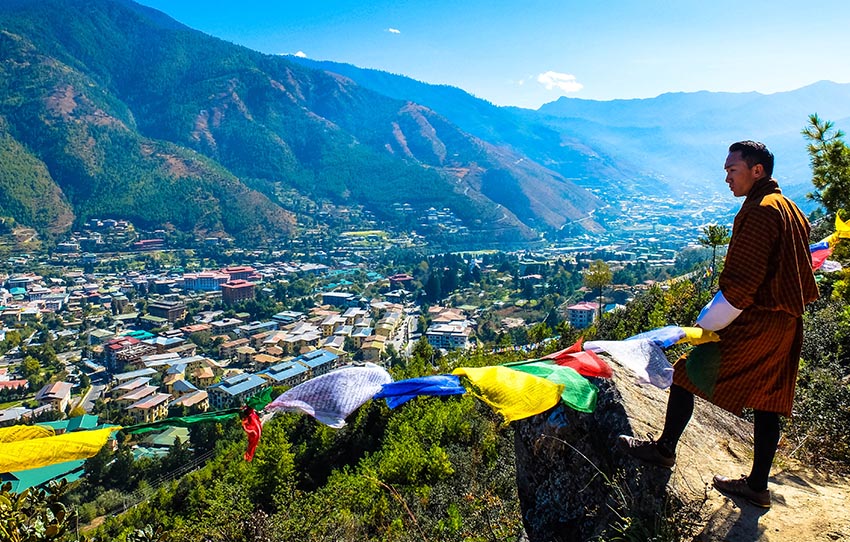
717, 314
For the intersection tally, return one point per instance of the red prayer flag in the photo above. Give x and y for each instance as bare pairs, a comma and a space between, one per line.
253, 429
586, 363
569, 350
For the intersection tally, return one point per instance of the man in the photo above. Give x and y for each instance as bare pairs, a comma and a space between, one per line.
765, 285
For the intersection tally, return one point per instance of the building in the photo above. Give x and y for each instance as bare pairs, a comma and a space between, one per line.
149, 244
57, 394
237, 291
228, 350
196, 401
150, 409
287, 317
331, 323
235, 390
340, 299
582, 315
242, 272
288, 373
318, 361
163, 344
448, 336
202, 377
226, 325
136, 395
205, 281
360, 334
400, 281
170, 310
373, 348
251, 328
129, 386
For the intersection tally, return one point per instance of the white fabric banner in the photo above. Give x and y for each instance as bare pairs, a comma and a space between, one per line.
642, 356
331, 397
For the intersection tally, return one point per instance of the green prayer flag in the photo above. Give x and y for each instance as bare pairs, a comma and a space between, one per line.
578, 393
259, 401
184, 421
703, 365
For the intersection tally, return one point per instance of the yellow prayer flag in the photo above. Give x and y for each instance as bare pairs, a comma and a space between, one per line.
842, 229
24, 432
39, 452
512, 394
698, 335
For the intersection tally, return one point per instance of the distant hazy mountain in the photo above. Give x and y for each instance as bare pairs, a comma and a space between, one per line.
673, 143
682, 137
108, 108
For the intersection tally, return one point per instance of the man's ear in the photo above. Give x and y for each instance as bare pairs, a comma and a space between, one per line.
758, 171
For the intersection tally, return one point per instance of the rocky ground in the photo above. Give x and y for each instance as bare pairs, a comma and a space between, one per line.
572, 479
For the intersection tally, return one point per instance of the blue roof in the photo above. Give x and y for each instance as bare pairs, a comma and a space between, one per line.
285, 370
240, 383
317, 358
184, 386
135, 374
177, 369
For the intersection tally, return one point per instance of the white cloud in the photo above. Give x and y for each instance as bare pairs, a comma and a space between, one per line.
301, 54
393, 30
563, 81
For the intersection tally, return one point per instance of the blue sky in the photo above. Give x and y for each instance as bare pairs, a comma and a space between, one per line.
531, 52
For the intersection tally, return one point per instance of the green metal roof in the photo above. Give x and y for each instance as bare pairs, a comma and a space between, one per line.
166, 438
86, 421
24, 479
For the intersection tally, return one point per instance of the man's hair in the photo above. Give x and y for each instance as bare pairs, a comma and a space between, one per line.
753, 152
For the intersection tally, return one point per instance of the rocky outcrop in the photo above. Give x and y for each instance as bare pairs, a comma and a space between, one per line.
574, 484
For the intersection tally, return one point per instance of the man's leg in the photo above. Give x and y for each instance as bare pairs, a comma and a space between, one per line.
754, 487
680, 408
662, 452
766, 439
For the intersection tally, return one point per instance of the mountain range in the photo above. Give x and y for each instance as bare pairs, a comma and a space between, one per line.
112, 109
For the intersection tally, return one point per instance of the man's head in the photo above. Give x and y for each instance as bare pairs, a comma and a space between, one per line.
748, 162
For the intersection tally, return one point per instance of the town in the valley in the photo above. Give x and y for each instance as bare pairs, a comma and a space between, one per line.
118, 326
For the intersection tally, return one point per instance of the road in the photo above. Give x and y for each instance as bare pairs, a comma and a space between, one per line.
94, 393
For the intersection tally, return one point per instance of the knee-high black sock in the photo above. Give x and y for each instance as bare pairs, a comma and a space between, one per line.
766, 439
680, 407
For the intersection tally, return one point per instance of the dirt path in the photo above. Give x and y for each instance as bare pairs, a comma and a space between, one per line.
808, 505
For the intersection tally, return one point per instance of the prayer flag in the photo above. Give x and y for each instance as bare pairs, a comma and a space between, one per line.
253, 429
697, 335
702, 365
182, 421
662, 336
331, 397
642, 356
398, 393
820, 252
512, 394
585, 362
578, 393
24, 432
40, 452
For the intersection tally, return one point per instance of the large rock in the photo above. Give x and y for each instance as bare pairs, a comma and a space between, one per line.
574, 484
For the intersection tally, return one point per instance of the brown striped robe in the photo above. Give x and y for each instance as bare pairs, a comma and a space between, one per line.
767, 274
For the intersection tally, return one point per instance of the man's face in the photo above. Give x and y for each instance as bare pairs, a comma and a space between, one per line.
739, 176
